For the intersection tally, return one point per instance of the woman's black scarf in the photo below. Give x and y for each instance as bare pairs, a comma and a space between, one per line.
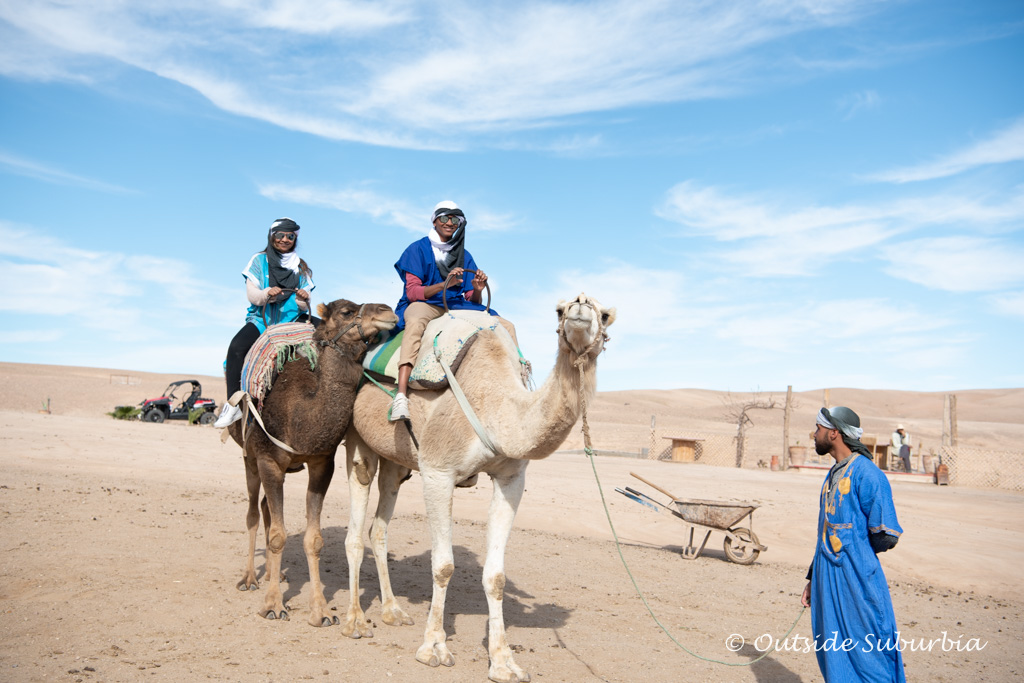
280, 276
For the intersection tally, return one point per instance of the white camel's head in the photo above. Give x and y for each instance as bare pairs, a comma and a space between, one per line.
582, 323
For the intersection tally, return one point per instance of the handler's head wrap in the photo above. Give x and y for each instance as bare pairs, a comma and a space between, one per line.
457, 253
848, 424
284, 268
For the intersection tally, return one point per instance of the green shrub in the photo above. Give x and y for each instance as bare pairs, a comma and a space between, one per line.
125, 413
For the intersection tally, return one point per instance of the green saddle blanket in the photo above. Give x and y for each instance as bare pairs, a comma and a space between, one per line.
451, 334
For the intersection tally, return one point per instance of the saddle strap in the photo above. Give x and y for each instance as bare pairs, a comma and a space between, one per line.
460, 396
248, 406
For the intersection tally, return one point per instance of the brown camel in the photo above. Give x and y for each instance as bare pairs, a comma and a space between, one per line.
522, 425
309, 410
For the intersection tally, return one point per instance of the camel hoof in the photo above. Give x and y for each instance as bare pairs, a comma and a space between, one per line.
507, 675
248, 584
431, 661
396, 617
357, 633
434, 656
328, 621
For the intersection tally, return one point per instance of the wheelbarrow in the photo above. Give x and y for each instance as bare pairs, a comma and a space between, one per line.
741, 544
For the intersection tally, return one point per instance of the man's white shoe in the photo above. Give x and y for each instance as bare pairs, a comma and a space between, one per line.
399, 408
228, 415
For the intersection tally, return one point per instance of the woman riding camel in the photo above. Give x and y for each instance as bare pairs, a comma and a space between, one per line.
423, 268
277, 283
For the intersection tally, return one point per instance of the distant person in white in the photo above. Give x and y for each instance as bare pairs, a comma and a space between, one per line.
899, 447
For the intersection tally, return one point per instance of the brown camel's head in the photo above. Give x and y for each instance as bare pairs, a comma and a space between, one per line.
352, 325
581, 325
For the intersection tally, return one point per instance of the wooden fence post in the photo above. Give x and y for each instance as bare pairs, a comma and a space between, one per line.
785, 427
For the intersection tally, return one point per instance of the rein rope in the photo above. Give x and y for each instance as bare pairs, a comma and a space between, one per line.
588, 449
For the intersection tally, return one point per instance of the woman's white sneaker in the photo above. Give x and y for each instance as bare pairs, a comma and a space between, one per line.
228, 415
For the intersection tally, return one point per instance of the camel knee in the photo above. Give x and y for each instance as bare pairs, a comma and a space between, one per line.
443, 575
314, 543
353, 543
494, 586
378, 534
364, 471
275, 540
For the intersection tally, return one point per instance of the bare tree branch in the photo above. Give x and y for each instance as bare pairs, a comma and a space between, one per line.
737, 410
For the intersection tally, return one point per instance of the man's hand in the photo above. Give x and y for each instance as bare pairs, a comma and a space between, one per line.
273, 291
805, 599
302, 294
456, 275
480, 281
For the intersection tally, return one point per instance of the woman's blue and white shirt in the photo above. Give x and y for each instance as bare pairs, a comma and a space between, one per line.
258, 272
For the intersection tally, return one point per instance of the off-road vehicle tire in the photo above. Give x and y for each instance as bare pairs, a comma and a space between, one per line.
154, 415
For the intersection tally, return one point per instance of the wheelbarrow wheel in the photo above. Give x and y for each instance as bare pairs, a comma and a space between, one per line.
744, 549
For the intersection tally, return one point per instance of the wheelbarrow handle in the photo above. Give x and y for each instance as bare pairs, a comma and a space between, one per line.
673, 496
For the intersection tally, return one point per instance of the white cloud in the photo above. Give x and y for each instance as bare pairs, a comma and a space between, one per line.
98, 287
419, 74
1003, 146
853, 104
400, 212
958, 264
686, 332
38, 171
767, 239
316, 17
1009, 303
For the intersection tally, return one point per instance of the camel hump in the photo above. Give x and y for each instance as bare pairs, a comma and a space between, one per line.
455, 331
451, 335
276, 346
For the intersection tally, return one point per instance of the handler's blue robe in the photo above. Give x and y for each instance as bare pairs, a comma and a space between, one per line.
418, 259
849, 596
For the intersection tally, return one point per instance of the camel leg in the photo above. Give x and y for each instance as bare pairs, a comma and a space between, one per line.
252, 523
266, 521
438, 488
508, 491
361, 465
273, 484
388, 482
321, 470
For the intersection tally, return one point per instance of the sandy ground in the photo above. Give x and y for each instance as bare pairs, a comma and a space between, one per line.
123, 542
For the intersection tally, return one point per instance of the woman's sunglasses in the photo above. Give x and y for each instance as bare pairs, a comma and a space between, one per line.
285, 236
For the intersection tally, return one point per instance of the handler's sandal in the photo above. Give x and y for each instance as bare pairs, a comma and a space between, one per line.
228, 415
399, 408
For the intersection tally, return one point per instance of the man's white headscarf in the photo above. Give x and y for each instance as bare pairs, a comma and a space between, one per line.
450, 254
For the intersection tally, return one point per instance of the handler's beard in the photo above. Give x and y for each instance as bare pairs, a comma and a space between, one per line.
822, 446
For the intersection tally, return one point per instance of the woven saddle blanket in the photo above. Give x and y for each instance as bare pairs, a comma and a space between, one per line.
280, 344
454, 332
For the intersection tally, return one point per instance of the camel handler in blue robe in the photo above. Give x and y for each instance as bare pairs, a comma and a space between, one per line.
423, 268
854, 627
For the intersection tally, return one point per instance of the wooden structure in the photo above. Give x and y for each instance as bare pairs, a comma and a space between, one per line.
879, 450
684, 449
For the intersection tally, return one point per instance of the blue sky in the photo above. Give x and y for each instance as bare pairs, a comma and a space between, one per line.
821, 194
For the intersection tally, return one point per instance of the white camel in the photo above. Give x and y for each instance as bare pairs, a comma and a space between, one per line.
523, 426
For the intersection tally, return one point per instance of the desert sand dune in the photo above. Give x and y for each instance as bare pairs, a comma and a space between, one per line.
123, 542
